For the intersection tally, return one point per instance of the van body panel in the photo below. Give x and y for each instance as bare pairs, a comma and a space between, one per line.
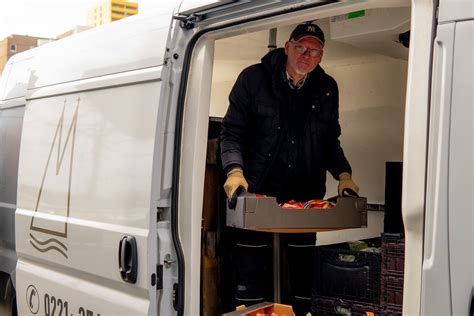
196, 130
84, 183
455, 10
132, 37
448, 246
436, 295
189, 7
11, 119
18, 75
49, 291
4, 76
461, 171
96, 83
415, 148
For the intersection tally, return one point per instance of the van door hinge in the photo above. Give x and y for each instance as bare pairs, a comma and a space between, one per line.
159, 213
188, 22
161, 206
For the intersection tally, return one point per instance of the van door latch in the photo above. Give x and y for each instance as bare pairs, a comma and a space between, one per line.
168, 261
188, 22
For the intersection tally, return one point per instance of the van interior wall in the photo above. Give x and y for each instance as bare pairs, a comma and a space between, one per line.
372, 91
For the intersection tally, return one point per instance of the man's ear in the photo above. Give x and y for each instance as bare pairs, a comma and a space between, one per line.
287, 45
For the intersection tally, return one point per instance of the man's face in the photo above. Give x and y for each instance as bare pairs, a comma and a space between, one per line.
303, 63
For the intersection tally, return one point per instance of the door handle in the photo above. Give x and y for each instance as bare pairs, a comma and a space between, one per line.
128, 261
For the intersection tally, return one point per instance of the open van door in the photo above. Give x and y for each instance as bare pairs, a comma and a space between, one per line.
447, 279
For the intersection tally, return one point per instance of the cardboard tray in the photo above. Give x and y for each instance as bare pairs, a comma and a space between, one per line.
265, 308
264, 214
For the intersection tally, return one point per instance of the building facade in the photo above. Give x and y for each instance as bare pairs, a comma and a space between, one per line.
109, 11
76, 29
18, 43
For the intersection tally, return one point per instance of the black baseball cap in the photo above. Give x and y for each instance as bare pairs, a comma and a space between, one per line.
307, 29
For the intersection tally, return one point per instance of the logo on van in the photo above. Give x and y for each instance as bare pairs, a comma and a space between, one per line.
32, 299
61, 152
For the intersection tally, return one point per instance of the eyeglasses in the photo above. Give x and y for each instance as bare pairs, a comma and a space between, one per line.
301, 49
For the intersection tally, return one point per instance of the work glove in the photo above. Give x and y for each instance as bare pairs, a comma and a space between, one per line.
235, 179
345, 182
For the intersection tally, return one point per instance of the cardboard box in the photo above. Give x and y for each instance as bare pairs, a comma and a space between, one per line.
263, 309
264, 214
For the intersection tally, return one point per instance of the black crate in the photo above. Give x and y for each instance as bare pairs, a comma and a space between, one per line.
347, 274
393, 254
329, 306
393, 265
393, 238
391, 294
392, 311
391, 280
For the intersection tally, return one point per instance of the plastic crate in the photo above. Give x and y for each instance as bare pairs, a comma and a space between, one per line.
392, 311
393, 254
393, 238
330, 306
392, 294
391, 280
393, 265
347, 274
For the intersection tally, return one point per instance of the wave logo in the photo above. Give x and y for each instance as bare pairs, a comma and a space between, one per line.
54, 198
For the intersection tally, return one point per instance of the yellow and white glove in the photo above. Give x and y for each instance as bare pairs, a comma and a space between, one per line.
345, 182
235, 179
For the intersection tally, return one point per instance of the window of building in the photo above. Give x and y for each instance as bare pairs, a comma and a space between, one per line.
13, 48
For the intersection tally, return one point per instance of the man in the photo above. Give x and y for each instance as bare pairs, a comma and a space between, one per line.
281, 132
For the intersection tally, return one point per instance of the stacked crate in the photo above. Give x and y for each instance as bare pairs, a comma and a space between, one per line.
331, 306
391, 280
346, 282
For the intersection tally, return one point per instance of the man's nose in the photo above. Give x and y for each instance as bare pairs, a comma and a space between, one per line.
306, 54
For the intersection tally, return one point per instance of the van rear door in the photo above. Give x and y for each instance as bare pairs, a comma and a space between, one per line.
447, 279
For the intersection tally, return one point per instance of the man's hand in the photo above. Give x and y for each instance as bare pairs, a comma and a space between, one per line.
345, 182
235, 179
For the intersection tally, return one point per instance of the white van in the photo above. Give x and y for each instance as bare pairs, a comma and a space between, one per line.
103, 139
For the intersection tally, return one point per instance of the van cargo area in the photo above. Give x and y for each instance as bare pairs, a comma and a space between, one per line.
363, 52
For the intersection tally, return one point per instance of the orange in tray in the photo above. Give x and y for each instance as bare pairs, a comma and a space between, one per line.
292, 204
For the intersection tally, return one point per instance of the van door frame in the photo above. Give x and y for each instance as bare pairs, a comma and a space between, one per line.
186, 65
412, 153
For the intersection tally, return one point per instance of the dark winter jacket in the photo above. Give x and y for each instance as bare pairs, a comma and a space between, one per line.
256, 122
